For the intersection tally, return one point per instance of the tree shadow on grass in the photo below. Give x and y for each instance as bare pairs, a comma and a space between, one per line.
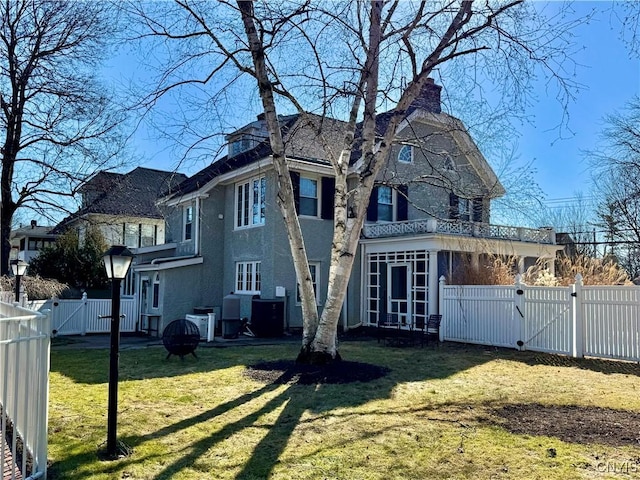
313, 394
309, 389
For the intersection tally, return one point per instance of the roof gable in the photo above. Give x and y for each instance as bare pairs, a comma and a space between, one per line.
129, 194
456, 130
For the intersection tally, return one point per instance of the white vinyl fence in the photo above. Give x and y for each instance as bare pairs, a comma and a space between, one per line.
597, 321
24, 392
87, 315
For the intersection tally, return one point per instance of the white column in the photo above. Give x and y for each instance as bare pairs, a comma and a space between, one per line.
551, 266
432, 282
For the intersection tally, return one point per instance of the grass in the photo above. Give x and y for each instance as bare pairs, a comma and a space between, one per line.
436, 415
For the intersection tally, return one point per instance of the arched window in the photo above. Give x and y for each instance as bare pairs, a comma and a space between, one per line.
405, 155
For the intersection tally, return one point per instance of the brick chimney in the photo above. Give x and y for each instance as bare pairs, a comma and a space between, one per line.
429, 98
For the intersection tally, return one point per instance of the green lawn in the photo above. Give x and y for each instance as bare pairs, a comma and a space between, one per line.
450, 412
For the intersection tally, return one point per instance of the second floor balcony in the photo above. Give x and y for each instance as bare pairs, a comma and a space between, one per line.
459, 228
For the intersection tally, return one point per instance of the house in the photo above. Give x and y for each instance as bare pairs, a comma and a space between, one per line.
26, 242
430, 208
122, 206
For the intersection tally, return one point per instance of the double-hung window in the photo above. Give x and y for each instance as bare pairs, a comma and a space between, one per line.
463, 208
250, 202
385, 204
388, 204
315, 273
130, 234
248, 277
188, 223
308, 197
148, 235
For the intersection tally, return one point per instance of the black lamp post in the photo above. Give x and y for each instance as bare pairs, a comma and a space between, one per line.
117, 261
19, 268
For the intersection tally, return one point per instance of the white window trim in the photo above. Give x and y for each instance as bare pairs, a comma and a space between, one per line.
253, 290
318, 181
464, 212
394, 203
316, 265
412, 150
185, 209
249, 192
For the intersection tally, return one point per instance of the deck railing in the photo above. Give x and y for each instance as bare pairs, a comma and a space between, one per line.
461, 228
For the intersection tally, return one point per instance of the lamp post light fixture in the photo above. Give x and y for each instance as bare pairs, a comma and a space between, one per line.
19, 268
117, 261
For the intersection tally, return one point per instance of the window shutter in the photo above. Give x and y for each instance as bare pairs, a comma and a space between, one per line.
454, 201
328, 189
372, 209
402, 212
295, 181
477, 209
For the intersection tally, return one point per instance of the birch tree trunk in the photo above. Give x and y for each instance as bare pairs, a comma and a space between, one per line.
285, 197
415, 38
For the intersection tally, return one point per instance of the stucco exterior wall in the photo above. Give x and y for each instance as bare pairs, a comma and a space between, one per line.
212, 247
429, 179
180, 291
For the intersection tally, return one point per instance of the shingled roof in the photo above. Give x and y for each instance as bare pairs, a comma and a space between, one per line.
228, 163
219, 167
129, 194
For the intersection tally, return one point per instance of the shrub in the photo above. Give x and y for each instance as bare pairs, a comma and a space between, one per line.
501, 270
79, 266
36, 287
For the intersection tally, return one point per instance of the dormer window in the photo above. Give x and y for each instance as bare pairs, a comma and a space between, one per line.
240, 144
405, 155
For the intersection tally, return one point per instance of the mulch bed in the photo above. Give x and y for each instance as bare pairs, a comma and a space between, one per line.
571, 423
290, 372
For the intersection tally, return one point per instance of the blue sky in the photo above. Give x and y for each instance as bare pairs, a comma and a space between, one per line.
610, 76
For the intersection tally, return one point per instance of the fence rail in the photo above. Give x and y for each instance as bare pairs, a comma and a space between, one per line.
596, 321
24, 391
81, 316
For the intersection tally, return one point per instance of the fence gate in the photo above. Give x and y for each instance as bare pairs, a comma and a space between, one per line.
547, 319
77, 317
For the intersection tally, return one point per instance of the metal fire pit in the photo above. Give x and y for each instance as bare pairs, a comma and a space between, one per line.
181, 337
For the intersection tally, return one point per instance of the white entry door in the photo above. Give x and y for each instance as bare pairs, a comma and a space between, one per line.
399, 294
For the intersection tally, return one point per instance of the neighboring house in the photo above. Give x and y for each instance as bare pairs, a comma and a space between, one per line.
26, 242
430, 208
123, 207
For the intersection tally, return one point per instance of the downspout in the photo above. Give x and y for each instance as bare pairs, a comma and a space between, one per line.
196, 238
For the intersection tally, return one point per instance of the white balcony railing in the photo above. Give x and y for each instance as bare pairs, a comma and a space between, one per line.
462, 228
